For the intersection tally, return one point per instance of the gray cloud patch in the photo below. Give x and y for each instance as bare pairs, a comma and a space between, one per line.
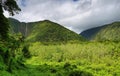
76, 15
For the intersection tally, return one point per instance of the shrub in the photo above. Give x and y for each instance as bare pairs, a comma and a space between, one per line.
80, 73
26, 52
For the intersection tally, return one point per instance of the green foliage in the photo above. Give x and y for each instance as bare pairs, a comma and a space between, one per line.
80, 73
81, 51
10, 6
46, 32
109, 33
20, 27
10, 52
26, 52
68, 57
49, 32
80, 59
4, 26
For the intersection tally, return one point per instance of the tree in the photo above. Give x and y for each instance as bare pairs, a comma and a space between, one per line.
9, 44
10, 6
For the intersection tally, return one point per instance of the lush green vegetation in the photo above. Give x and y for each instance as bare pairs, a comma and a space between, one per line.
108, 32
20, 27
96, 58
77, 59
47, 31
44, 31
57, 51
10, 46
11, 55
52, 50
90, 33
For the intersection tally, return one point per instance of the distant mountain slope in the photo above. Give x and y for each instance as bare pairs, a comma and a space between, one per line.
90, 33
110, 32
22, 27
47, 31
44, 31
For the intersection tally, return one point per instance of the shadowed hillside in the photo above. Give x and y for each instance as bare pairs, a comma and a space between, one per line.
110, 32
107, 32
90, 33
20, 27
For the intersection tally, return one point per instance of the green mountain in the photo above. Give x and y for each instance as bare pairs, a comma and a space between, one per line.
109, 32
90, 33
44, 31
20, 27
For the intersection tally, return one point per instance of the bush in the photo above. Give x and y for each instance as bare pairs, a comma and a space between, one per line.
80, 73
26, 52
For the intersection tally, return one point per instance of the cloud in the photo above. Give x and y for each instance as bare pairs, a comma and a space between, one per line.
76, 15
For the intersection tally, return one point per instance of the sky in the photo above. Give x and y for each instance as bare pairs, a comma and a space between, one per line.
76, 15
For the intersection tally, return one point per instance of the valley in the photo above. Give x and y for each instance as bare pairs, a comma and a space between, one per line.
59, 38
57, 51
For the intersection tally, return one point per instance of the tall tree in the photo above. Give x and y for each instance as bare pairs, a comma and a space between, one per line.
10, 6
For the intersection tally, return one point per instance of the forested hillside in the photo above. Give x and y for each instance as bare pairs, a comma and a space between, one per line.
44, 31
108, 32
90, 33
